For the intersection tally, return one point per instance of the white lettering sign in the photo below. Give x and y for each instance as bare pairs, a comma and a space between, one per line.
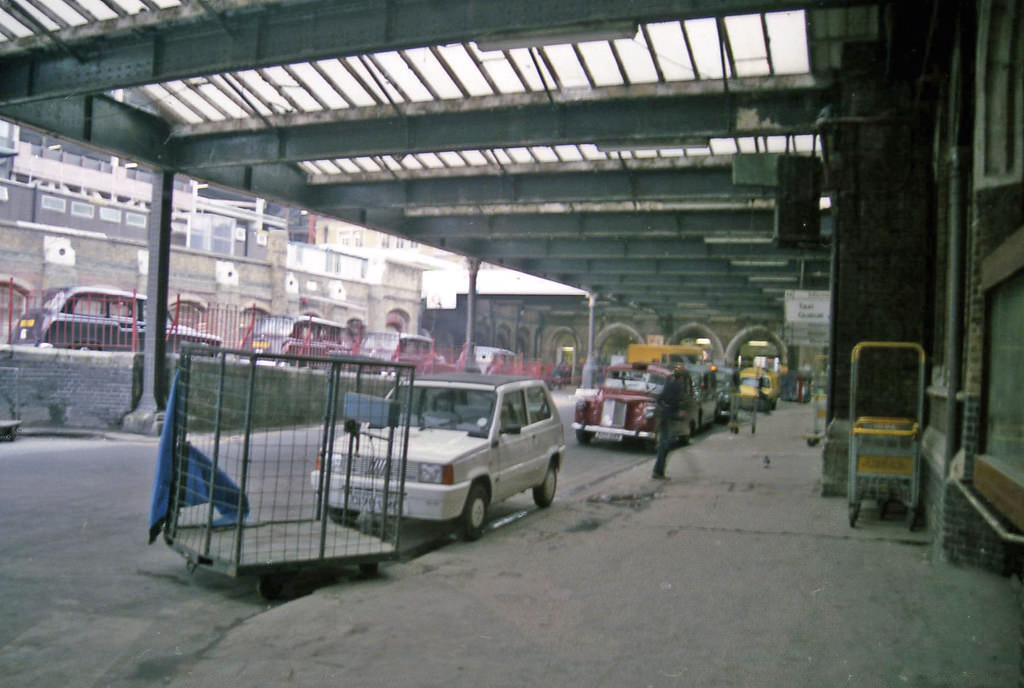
808, 306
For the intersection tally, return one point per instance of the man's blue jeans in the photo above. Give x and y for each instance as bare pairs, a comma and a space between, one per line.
665, 441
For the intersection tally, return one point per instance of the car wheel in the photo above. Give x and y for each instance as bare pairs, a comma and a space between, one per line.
544, 493
584, 437
342, 517
473, 513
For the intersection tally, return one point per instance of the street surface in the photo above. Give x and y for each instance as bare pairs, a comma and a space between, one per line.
730, 574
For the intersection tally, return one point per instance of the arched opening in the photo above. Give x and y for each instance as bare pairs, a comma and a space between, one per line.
757, 346
612, 342
702, 336
397, 321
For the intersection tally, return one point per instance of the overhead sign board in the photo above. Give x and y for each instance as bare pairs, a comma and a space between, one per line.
808, 307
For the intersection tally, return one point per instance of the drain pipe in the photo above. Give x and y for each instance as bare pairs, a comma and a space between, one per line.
954, 303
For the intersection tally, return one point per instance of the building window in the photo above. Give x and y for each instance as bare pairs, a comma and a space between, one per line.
80, 209
999, 470
58, 205
213, 233
135, 220
110, 215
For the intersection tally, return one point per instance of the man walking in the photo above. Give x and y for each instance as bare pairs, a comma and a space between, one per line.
667, 408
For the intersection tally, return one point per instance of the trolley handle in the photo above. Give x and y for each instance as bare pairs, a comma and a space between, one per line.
909, 427
860, 346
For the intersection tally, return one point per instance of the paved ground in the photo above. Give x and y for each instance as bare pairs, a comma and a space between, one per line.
729, 574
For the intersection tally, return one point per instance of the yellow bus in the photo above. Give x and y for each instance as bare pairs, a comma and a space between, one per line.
666, 354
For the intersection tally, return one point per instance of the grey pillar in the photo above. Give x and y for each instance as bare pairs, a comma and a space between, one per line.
474, 268
146, 417
591, 364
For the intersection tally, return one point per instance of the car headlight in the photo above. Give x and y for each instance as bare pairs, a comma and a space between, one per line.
425, 472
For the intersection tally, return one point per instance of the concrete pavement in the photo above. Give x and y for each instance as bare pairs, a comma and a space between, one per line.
729, 574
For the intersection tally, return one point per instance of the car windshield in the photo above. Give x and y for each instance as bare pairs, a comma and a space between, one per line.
379, 345
749, 382
274, 325
466, 410
635, 380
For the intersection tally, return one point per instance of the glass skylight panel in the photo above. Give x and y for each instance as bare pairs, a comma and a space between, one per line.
367, 164
544, 154
430, 160
475, 158
346, 83
568, 153
787, 37
312, 80
280, 77
747, 144
499, 69
310, 166
368, 80
434, 73
775, 144
520, 155
465, 69
164, 4
65, 13
570, 71
13, 25
707, 51
528, 68
133, 6
41, 18
233, 83
669, 46
591, 152
222, 101
697, 151
502, 156
397, 70
600, 62
195, 101
410, 162
805, 143
746, 38
264, 91
391, 163
167, 101
98, 9
348, 166
670, 152
645, 153
723, 146
451, 159
637, 60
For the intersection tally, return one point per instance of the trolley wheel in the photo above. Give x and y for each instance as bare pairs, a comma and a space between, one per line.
544, 493
812, 441
854, 513
734, 430
369, 569
270, 586
473, 513
584, 436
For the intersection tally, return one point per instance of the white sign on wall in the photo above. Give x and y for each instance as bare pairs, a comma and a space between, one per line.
808, 307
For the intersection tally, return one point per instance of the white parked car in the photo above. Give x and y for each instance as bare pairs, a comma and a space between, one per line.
473, 440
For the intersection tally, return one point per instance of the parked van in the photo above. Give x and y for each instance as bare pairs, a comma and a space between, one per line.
760, 384
304, 335
666, 354
98, 319
404, 348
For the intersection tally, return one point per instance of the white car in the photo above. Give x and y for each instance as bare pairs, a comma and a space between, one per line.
473, 440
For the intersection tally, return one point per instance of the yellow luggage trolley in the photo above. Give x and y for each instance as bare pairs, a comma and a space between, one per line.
885, 452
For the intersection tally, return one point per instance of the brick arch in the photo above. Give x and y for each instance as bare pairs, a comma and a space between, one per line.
397, 320
691, 328
754, 332
608, 330
548, 351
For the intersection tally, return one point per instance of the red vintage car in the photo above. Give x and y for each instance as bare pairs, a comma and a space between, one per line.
623, 407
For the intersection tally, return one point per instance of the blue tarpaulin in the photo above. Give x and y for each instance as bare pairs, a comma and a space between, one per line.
227, 497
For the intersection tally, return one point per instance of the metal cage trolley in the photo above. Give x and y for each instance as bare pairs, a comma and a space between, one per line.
243, 434
885, 451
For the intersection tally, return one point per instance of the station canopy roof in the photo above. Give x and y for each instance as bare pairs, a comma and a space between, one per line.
590, 142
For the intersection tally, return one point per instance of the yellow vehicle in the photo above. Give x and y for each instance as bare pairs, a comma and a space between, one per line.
761, 384
666, 354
